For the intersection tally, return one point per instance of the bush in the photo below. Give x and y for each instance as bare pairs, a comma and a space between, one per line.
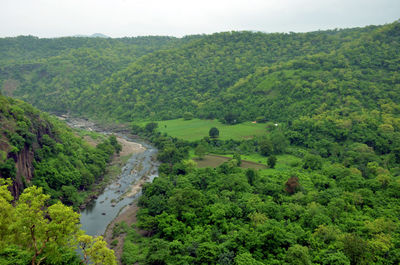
114, 243
188, 116
313, 162
271, 162
214, 132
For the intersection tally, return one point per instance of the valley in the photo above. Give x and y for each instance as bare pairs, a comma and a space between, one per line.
237, 147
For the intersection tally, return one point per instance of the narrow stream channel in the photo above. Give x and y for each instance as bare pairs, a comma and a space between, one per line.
140, 167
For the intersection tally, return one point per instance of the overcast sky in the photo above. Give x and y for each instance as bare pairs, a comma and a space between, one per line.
119, 18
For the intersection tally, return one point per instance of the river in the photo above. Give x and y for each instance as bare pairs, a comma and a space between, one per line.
124, 190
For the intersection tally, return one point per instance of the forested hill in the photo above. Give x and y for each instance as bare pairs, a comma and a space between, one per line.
30, 48
165, 84
149, 77
38, 149
361, 75
53, 74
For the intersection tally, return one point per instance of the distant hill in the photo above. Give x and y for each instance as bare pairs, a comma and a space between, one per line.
94, 35
99, 35
246, 74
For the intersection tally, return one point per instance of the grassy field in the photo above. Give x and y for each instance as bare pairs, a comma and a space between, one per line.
196, 129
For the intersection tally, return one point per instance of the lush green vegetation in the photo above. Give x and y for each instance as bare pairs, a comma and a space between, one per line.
35, 232
39, 149
145, 77
306, 210
330, 194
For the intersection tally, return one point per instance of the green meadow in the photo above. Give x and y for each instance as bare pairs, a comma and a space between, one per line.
196, 129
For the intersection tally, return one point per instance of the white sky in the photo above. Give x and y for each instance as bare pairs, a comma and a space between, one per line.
119, 18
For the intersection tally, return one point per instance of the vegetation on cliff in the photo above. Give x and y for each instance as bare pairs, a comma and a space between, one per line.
38, 149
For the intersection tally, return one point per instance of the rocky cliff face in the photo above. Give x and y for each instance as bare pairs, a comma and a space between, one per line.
24, 174
21, 132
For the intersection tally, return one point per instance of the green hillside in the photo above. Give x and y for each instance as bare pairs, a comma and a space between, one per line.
324, 186
36, 148
147, 77
165, 84
362, 74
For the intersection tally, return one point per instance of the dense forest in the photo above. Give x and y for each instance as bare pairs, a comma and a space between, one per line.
328, 192
156, 77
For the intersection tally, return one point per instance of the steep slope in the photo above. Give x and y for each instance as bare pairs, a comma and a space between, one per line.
29, 48
36, 148
53, 74
363, 74
90, 76
165, 84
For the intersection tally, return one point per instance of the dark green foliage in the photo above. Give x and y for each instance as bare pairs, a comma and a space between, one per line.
231, 118
237, 157
203, 217
154, 77
15, 255
150, 127
7, 169
119, 228
200, 151
251, 176
266, 147
188, 115
313, 162
271, 162
213, 133
114, 142
331, 98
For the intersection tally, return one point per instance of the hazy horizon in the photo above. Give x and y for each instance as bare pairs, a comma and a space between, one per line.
131, 18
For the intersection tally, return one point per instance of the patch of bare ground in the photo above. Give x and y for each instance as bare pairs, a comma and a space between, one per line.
129, 148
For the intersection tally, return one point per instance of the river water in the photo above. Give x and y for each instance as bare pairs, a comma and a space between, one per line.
141, 167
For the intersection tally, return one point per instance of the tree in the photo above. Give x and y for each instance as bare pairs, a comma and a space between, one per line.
200, 151
251, 175
298, 255
292, 185
213, 133
150, 127
42, 230
266, 147
114, 142
313, 162
231, 118
187, 116
355, 248
271, 161
95, 250
237, 157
